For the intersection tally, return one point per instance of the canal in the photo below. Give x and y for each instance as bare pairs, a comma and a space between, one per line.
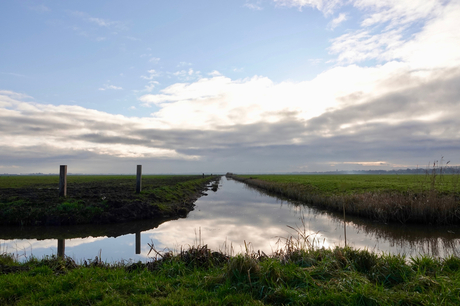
231, 219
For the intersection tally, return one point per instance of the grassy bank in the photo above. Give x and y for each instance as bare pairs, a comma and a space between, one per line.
29, 200
427, 199
296, 275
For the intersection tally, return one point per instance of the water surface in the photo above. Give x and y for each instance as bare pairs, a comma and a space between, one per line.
231, 219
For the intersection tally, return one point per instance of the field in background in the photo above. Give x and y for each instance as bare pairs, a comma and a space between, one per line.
355, 184
433, 198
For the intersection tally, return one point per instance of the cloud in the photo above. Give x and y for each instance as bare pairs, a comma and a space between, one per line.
40, 8
336, 21
325, 6
15, 74
154, 60
47, 129
376, 114
152, 74
150, 86
186, 75
401, 111
182, 64
105, 23
217, 73
315, 61
253, 6
132, 38
108, 86
385, 32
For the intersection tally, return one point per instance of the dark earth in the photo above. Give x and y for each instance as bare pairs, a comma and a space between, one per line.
103, 201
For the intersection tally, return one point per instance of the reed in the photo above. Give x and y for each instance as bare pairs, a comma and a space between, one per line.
433, 199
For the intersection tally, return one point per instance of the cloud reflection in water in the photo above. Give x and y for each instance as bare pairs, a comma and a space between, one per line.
236, 214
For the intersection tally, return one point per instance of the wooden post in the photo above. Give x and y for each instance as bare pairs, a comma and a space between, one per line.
138, 242
61, 248
344, 225
63, 181
139, 179
203, 175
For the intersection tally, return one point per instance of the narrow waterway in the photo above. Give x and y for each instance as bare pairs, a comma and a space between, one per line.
230, 219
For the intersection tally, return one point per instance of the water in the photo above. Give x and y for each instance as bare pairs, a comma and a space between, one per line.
231, 219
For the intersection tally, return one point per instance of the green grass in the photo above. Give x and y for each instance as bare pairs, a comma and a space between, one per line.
429, 199
20, 181
355, 184
198, 276
34, 200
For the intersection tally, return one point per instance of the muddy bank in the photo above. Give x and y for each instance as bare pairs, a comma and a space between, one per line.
107, 201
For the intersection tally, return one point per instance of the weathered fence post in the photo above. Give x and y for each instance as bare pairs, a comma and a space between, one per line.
138, 242
63, 181
203, 175
344, 225
61, 248
139, 179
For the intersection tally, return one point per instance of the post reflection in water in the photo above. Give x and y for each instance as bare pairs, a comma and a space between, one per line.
61, 248
138, 242
228, 218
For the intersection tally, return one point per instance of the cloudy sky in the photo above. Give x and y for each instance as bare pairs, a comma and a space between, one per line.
185, 86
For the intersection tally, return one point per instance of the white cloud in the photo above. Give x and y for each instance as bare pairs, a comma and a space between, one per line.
217, 73
336, 21
253, 6
132, 38
182, 64
99, 21
152, 74
315, 61
154, 60
437, 45
228, 102
384, 33
67, 128
108, 86
40, 8
186, 75
397, 12
325, 6
15, 74
150, 86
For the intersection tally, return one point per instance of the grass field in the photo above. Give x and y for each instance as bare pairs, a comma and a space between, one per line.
430, 199
355, 184
197, 276
34, 200
20, 181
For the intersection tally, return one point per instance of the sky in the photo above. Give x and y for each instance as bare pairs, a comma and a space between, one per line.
243, 86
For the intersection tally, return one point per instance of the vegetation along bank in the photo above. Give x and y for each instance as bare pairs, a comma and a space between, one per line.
197, 276
427, 199
34, 200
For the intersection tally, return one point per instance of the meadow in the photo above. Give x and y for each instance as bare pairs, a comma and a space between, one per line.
34, 200
433, 198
